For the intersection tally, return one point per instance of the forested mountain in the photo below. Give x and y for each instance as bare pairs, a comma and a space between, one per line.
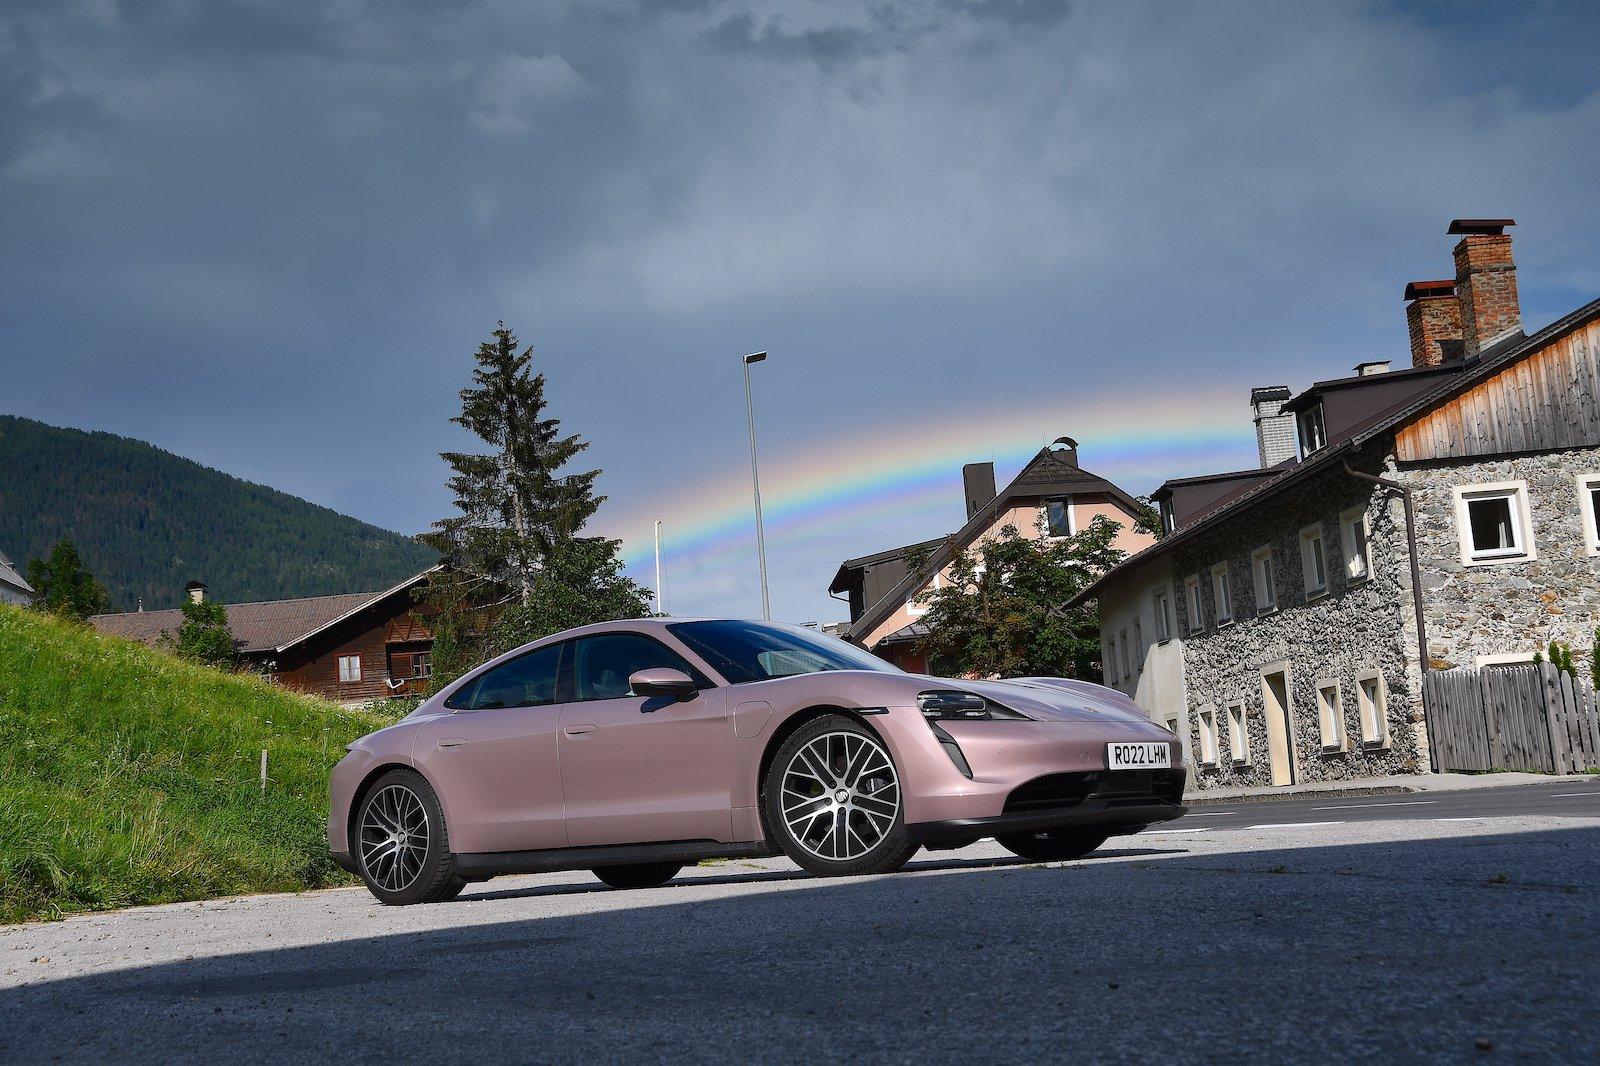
147, 521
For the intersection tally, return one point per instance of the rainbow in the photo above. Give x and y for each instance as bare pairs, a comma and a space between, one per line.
1137, 440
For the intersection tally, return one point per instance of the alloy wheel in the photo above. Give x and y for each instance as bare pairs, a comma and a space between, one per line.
394, 838
840, 796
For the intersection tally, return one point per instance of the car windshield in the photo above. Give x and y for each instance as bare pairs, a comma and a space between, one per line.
759, 651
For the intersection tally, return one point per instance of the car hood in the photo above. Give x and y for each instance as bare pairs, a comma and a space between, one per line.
1058, 699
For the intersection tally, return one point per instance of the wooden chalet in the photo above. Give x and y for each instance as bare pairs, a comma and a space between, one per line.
352, 648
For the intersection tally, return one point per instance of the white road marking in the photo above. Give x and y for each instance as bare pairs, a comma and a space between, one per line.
1569, 795
1171, 832
1477, 819
1290, 825
1358, 806
1208, 814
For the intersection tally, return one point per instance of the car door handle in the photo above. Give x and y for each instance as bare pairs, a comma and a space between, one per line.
578, 730
451, 742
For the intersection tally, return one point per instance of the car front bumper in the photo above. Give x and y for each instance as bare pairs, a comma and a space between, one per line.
1111, 812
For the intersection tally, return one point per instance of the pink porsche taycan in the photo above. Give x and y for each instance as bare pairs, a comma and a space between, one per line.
634, 748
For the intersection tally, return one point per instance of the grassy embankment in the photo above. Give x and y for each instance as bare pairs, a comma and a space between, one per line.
128, 776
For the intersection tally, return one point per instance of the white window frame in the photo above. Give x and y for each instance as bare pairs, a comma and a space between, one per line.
1197, 617
349, 669
1521, 523
1374, 715
1238, 731
1355, 517
1330, 715
1161, 607
1174, 725
1309, 536
1044, 517
917, 609
1222, 594
1588, 489
1208, 735
1510, 658
1263, 555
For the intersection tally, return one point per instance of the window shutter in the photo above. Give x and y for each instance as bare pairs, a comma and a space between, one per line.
399, 665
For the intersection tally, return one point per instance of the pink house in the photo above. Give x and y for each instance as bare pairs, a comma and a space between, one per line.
1051, 496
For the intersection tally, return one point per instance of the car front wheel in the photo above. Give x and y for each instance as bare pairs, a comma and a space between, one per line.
402, 849
833, 800
1052, 845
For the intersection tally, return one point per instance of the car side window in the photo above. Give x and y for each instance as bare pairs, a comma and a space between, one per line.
526, 681
603, 663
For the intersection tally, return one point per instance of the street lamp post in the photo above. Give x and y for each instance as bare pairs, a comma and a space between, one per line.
755, 484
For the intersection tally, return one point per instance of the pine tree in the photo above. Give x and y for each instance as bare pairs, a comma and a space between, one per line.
63, 584
515, 567
516, 506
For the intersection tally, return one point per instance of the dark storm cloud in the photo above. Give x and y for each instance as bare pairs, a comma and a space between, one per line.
270, 235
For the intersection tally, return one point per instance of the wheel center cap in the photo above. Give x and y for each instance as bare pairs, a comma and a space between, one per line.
842, 795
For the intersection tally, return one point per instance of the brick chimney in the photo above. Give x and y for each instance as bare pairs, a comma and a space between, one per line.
1486, 282
1433, 315
1275, 440
978, 481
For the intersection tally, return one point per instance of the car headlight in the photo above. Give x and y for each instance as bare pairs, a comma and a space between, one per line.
953, 705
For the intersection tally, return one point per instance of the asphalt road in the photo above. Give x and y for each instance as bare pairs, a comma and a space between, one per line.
1286, 931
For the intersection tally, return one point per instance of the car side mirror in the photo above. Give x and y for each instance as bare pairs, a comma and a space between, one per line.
663, 681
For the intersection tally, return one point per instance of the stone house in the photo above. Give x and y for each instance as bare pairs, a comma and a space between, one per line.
1051, 496
1276, 627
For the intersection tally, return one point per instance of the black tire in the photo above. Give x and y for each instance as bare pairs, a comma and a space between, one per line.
865, 811
1052, 845
404, 872
639, 874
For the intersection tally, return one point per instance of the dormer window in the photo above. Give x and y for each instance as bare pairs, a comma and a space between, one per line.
1312, 434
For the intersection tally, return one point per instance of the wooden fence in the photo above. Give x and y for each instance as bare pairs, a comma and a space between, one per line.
1525, 717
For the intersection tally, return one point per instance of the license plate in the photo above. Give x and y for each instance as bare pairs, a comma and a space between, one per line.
1141, 756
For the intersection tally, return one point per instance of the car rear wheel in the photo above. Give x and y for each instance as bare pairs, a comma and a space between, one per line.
402, 849
639, 874
1052, 845
833, 802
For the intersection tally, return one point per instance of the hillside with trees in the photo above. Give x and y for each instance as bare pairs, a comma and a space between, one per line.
146, 521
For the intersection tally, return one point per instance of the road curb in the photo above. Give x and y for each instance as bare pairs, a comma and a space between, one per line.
1200, 799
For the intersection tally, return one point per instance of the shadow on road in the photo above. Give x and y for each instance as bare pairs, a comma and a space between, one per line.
742, 874
1393, 951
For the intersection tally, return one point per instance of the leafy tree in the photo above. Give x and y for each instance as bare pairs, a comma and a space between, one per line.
204, 634
1002, 611
1149, 518
515, 565
63, 584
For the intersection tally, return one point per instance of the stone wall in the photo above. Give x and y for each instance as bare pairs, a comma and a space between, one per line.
1353, 627
1511, 608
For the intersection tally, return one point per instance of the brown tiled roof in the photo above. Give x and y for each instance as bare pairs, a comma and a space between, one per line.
257, 627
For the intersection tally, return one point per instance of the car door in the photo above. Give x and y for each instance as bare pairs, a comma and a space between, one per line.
494, 760
633, 769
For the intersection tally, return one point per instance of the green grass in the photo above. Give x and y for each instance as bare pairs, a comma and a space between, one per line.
128, 776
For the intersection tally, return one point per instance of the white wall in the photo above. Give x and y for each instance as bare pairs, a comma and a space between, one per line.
1157, 682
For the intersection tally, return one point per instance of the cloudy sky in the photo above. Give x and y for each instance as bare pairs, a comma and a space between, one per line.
269, 236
